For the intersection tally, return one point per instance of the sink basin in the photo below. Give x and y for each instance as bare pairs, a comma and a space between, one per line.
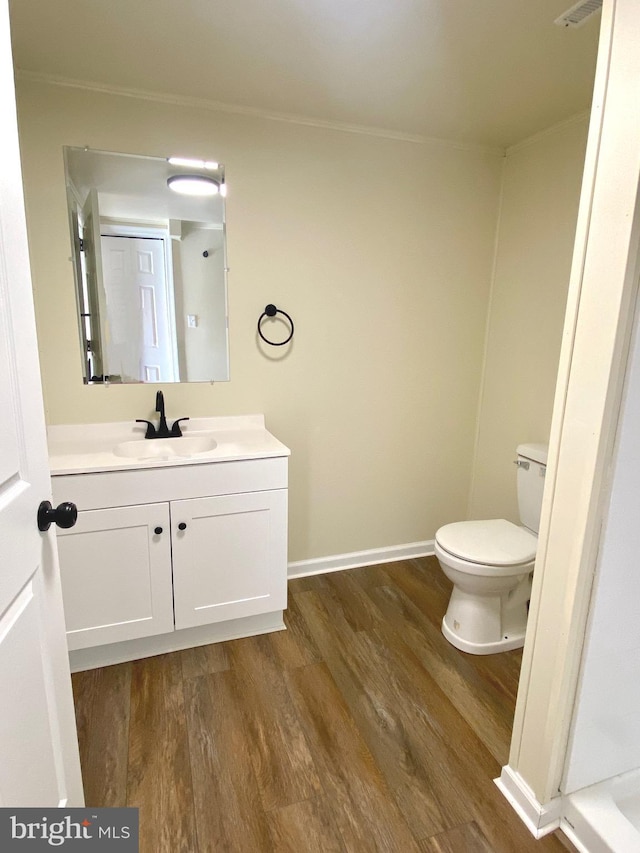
165, 448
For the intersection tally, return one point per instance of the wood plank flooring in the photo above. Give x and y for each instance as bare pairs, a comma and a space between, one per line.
358, 729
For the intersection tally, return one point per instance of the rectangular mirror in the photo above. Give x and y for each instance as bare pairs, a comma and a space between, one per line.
149, 256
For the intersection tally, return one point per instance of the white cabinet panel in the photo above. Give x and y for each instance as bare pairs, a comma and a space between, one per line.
116, 575
173, 483
230, 559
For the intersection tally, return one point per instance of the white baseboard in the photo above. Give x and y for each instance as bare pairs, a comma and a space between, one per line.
356, 559
539, 819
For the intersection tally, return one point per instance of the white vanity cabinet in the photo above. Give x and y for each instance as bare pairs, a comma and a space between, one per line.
173, 556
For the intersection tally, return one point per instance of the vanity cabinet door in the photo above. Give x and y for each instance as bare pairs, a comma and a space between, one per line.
116, 575
229, 556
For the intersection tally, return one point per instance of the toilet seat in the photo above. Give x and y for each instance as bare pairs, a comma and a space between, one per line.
493, 547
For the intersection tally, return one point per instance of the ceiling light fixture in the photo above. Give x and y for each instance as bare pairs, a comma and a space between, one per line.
193, 185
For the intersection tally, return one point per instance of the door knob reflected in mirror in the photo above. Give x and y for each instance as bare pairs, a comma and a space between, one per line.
64, 515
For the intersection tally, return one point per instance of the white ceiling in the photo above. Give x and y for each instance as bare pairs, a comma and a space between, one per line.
486, 71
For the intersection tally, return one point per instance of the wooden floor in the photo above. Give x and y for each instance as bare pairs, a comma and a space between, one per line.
358, 729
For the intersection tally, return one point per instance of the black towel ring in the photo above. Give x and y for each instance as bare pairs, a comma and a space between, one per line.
271, 311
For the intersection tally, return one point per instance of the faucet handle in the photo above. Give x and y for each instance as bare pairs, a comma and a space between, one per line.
151, 430
176, 432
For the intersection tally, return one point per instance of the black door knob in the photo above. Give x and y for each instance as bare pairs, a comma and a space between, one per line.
182, 526
64, 515
158, 530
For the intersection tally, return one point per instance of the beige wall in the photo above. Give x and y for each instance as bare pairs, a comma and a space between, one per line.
381, 251
541, 189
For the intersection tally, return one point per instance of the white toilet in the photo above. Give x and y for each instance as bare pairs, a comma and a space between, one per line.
490, 564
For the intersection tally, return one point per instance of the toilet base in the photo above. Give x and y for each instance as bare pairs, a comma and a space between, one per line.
489, 623
506, 644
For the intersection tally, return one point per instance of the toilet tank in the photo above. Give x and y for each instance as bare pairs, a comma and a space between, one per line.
532, 467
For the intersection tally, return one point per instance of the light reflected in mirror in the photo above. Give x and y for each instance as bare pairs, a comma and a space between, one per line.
150, 268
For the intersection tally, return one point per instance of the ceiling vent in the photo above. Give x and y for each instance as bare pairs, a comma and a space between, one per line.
578, 14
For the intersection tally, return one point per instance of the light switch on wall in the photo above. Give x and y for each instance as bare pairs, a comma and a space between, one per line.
192, 321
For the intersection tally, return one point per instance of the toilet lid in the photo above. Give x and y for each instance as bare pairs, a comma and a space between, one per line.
497, 542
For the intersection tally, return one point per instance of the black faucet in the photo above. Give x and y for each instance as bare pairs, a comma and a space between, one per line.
162, 430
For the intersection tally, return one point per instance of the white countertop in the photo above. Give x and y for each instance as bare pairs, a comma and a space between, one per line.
87, 448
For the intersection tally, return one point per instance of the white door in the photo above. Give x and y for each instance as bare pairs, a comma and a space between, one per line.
39, 763
141, 337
